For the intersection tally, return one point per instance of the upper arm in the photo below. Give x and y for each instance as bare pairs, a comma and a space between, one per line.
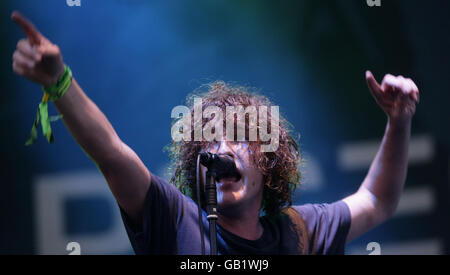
128, 179
366, 212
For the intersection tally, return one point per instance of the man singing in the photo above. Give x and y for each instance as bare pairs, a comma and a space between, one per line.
255, 215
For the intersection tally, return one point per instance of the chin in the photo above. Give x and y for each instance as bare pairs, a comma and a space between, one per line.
227, 201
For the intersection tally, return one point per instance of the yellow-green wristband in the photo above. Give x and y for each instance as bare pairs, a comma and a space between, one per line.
62, 85
53, 93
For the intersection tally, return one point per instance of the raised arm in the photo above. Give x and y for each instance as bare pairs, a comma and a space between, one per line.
39, 60
379, 194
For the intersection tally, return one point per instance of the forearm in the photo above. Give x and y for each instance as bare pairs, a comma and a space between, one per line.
387, 173
87, 124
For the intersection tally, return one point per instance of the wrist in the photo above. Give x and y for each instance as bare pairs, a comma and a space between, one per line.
53, 80
63, 83
399, 122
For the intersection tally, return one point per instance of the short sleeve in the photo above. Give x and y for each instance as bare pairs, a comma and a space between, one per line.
328, 226
162, 209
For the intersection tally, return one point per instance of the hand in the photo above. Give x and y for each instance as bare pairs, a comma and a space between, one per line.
397, 96
36, 58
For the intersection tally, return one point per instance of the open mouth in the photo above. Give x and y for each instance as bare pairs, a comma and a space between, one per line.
227, 172
223, 166
228, 176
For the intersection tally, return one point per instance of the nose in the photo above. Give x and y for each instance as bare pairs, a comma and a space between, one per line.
224, 148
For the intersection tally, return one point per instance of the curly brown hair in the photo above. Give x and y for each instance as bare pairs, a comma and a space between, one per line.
279, 168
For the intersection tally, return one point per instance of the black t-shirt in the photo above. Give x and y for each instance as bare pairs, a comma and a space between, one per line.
170, 226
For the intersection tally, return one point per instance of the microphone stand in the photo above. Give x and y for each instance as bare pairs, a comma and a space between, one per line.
211, 208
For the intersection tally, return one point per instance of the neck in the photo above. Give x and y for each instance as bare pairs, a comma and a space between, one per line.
246, 225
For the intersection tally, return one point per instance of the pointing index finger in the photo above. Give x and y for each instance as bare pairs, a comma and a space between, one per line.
28, 28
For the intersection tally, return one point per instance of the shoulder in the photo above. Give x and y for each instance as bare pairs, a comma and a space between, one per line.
328, 211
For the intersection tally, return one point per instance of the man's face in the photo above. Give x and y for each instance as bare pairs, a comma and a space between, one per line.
237, 195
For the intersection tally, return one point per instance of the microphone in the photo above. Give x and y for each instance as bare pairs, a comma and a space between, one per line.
223, 166
219, 167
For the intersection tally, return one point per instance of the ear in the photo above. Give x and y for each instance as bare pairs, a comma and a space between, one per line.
267, 180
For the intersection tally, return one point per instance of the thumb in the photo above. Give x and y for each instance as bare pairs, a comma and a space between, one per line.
374, 87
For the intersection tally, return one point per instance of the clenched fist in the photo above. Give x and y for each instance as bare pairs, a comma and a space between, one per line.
36, 57
397, 96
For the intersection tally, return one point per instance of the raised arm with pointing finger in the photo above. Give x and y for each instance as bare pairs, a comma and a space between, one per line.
39, 60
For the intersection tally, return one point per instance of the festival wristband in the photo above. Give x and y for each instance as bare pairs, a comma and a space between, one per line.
53, 93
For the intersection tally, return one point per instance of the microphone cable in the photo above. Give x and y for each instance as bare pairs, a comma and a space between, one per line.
200, 219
